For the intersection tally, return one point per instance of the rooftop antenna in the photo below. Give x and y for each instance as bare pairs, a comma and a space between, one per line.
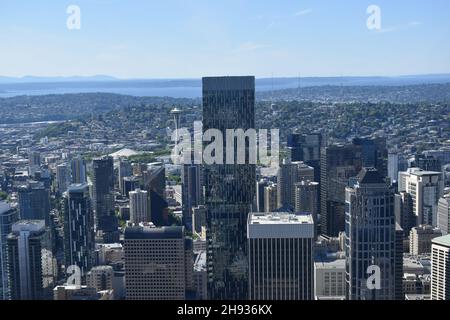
272, 87
272, 104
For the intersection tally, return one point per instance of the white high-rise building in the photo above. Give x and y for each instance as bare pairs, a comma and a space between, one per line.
420, 239
307, 198
280, 256
34, 162
440, 268
270, 198
31, 267
443, 222
62, 177
78, 170
393, 166
139, 208
425, 188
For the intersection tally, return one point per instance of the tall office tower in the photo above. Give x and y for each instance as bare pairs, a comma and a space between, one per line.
30, 261
393, 165
420, 239
34, 162
288, 175
34, 158
125, 170
370, 237
78, 170
139, 207
426, 163
155, 263
338, 164
8, 216
307, 198
443, 155
103, 192
228, 103
404, 215
398, 261
306, 148
271, 198
155, 185
280, 256
100, 278
128, 184
189, 267
62, 178
374, 153
425, 188
198, 219
443, 222
260, 187
34, 202
191, 191
440, 268
78, 228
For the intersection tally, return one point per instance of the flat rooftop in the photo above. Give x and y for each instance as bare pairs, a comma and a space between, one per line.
330, 264
279, 225
279, 218
443, 241
147, 232
426, 173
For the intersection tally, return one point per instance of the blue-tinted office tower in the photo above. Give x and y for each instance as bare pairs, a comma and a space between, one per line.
371, 239
34, 202
228, 103
192, 191
8, 216
306, 148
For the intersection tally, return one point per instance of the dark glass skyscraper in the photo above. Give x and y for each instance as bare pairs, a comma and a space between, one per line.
155, 185
8, 216
338, 164
34, 202
192, 191
103, 198
78, 227
306, 148
371, 239
228, 103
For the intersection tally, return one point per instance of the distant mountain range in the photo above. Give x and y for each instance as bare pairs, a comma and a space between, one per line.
33, 79
188, 88
304, 81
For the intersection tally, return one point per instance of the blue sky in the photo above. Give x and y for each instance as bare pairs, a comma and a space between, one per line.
193, 38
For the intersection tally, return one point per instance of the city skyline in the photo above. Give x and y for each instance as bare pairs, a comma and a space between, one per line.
240, 151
